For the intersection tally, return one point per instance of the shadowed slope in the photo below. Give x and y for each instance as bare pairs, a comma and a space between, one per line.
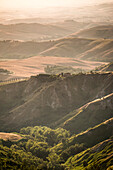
44, 99
91, 114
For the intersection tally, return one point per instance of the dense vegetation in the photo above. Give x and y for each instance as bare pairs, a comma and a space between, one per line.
44, 148
57, 69
4, 71
38, 149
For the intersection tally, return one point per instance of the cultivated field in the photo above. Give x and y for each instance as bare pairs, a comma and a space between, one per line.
36, 64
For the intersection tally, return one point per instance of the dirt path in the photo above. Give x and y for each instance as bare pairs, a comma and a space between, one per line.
10, 136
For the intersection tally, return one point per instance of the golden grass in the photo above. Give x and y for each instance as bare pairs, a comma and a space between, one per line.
35, 65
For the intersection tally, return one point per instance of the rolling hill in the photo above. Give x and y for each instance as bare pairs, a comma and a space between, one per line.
32, 31
18, 50
57, 120
86, 49
78, 48
103, 31
40, 31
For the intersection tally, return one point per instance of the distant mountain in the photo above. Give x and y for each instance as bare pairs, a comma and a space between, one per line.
46, 100
103, 31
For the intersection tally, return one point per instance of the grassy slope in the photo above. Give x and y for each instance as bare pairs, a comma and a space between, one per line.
90, 114
94, 135
99, 157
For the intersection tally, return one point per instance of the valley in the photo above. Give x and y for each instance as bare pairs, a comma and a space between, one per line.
56, 85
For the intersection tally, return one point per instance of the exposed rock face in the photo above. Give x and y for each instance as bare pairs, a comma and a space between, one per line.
45, 99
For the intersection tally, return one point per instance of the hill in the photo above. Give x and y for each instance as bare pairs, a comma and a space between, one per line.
98, 157
45, 99
79, 48
89, 115
105, 68
32, 31
103, 31
94, 135
86, 49
18, 50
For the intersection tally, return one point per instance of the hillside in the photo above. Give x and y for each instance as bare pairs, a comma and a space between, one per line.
105, 68
103, 31
45, 148
90, 115
44, 99
72, 25
94, 135
56, 85
98, 157
78, 48
86, 49
32, 31
18, 50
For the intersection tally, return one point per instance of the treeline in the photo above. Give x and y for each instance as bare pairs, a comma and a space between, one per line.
57, 69
12, 81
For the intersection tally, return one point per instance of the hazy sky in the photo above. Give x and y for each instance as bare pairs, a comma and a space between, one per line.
45, 3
